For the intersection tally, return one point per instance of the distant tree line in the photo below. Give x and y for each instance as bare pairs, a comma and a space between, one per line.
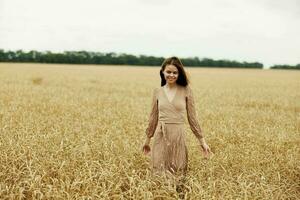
84, 57
286, 67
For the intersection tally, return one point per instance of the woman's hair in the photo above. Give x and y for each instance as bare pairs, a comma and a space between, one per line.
182, 77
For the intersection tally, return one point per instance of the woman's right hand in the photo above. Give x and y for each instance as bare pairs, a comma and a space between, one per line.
146, 149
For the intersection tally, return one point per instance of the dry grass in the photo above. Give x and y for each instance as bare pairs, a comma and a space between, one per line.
78, 135
37, 80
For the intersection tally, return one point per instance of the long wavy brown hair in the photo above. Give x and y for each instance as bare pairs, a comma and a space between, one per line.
182, 76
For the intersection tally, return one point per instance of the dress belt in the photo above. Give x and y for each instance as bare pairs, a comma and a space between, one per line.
163, 128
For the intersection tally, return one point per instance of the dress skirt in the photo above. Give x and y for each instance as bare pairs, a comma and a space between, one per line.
169, 150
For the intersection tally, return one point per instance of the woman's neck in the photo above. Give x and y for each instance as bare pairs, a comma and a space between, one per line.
171, 86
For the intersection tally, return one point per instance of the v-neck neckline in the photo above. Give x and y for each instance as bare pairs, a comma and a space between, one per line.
167, 95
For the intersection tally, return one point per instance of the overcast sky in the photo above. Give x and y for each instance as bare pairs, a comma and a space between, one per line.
266, 31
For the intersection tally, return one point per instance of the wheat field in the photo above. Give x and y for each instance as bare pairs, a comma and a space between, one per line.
76, 132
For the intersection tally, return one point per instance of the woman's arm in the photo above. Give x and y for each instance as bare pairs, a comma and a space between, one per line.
153, 117
192, 116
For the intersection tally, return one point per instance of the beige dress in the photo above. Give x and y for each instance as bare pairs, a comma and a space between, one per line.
166, 124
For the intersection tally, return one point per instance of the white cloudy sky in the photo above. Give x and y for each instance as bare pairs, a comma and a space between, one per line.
266, 31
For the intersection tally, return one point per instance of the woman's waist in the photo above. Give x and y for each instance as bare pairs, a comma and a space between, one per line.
171, 121
171, 118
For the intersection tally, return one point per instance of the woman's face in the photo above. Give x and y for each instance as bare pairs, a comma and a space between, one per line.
171, 74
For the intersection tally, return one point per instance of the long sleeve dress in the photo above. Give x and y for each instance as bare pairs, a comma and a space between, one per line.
166, 125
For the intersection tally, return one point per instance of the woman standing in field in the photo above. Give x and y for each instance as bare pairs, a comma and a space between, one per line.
169, 103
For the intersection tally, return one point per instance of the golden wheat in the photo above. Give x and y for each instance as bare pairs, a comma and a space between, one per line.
76, 131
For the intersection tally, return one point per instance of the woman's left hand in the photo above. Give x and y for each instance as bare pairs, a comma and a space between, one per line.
206, 150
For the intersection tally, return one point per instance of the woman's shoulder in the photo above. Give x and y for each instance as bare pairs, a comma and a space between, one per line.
156, 90
187, 90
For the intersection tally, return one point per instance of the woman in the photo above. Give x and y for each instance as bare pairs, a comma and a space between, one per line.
169, 103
